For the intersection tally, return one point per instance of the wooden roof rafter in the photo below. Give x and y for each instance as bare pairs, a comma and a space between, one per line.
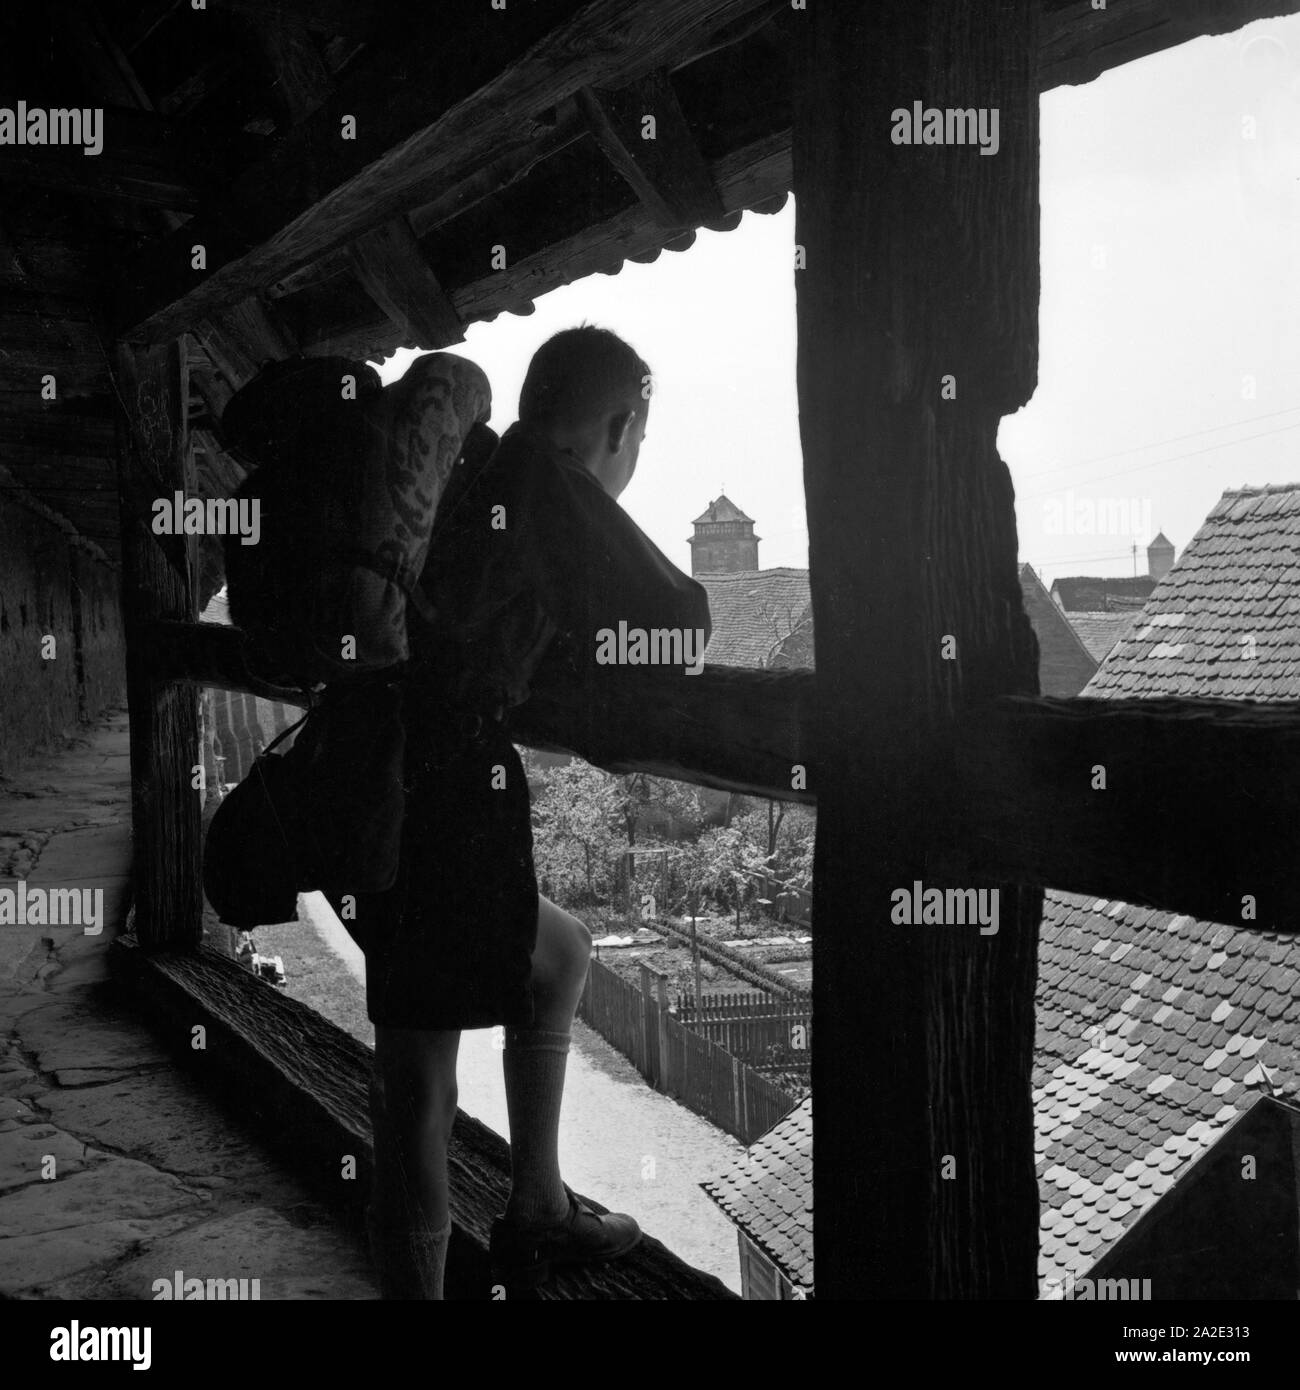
390, 265
1078, 43
755, 178
268, 234
668, 175
644, 134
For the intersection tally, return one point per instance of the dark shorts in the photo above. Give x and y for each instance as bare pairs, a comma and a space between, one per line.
449, 945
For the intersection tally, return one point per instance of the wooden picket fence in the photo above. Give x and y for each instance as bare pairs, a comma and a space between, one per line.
758, 1028
695, 1071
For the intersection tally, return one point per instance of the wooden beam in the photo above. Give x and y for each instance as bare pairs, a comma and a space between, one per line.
645, 136
102, 65
23, 369
1018, 772
319, 191
197, 85
924, 1158
299, 81
734, 730
742, 731
395, 274
358, 18
368, 185
310, 1101
107, 72
125, 170
492, 179
148, 19
448, 201
210, 654
758, 172
1079, 42
240, 341
731, 35
14, 489
761, 170
164, 718
1198, 813
60, 429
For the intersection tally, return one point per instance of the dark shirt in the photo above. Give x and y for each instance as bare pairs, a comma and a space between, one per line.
557, 564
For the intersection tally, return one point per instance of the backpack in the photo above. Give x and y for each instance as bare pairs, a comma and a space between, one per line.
348, 489
347, 478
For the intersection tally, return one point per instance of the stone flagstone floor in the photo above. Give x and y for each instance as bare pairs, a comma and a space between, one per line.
115, 1169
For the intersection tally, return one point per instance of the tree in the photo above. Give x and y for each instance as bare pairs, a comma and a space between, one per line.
643, 799
576, 829
785, 621
781, 834
718, 867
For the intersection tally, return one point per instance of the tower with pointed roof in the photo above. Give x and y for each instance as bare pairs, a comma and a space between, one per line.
724, 541
1160, 557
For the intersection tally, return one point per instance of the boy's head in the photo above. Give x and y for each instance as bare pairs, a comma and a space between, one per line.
588, 392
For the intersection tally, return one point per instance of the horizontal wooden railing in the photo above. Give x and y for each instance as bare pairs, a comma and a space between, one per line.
1071, 794
743, 731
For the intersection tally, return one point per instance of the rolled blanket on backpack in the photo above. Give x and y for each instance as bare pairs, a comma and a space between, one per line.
348, 475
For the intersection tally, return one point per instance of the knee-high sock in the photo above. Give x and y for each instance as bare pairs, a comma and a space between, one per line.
411, 1259
535, 1063
408, 1197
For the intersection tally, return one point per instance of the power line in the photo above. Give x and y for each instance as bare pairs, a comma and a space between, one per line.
1160, 443
1076, 559
1155, 463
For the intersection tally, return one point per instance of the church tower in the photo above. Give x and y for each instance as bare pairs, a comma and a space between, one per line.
1160, 557
724, 541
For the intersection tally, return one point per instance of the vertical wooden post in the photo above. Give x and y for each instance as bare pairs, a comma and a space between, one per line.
665, 1057
647, 1008
917, 314
158, 582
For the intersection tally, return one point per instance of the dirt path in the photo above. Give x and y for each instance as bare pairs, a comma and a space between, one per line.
620, 1141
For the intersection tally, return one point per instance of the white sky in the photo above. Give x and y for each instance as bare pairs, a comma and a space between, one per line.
1148, 360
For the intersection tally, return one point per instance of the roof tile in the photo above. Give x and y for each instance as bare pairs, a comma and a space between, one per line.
1204, 1002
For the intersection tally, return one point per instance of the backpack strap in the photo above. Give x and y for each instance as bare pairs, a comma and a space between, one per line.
396, 574
284, 734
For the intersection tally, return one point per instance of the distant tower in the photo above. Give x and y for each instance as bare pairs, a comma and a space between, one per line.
724, 541
1160, 557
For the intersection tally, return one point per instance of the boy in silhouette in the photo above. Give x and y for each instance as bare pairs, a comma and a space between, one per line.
532, 557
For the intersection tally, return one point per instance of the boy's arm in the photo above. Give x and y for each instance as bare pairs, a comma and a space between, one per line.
594, 567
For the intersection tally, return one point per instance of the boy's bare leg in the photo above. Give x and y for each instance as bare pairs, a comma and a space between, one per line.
413, 1108
535, 1060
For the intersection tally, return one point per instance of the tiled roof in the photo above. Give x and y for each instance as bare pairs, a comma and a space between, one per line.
1064, 664
1100, 631
1089, 594
1155, 1030
754, 612
769, 1194
1225, 620
722, 508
